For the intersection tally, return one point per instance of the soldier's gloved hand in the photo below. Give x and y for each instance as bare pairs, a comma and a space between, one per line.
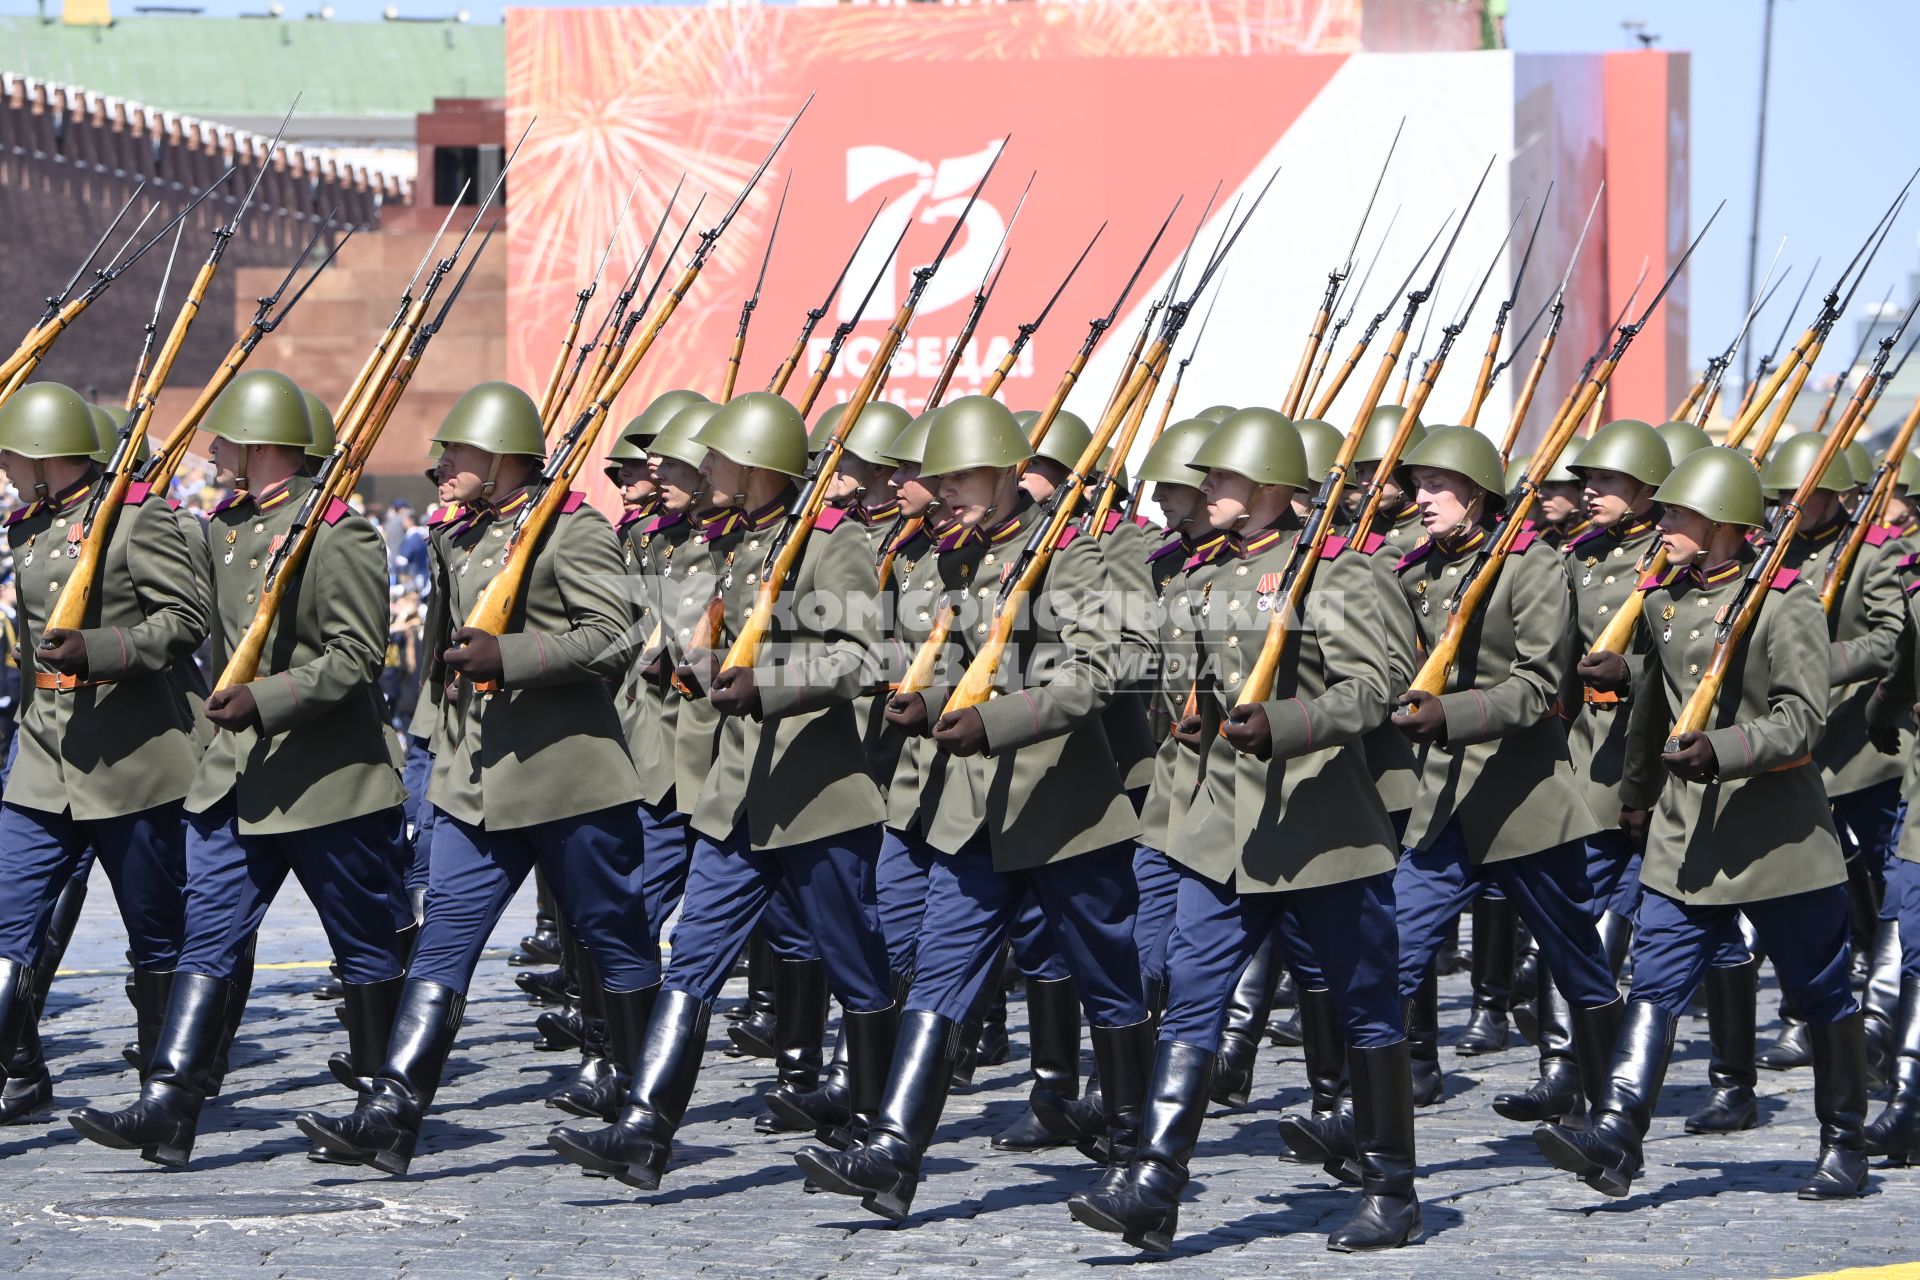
1692, 758
233, 708
475, 654
1634, 823
1249, 732
1419, 715
654, 671
1187, 730
735, 692
1606, 672
961, 733
61, 649
908, 712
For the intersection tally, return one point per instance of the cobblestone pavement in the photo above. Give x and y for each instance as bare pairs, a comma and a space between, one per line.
486, 1198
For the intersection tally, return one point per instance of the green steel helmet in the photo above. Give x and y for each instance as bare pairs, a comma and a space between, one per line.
823, 427
676, 439
497, 417
1322, 441
873, 433
625, 449
1793, 457
911, 444
1718, 483
261, 407
1260, 444
1068, 436
1909, 472
1380, 428
1860, 463
1215, 413
1560, 474
107, 420
1682, 439
975, 431
432, 471
1517, 468
1170, 460
653, 419
320, 418
1628, 446
758, 429
1463, 451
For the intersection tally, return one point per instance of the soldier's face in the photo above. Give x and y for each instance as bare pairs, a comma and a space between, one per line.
1177, 502
1447, 500
726, 480
466, 469
1229, 498
442, 481
679, 484
1042, 477
974, 494
11, 465
1392, 496
228, 458
1899, 510
1685, 535
1611, 496
635, 481
916, 498
1820, 509
1559, 502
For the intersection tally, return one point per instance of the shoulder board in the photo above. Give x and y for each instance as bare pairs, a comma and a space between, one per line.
654, 524
829, 519
1333, 546
440, 515
1784, 579
336, 511
575, 500
173, 504
1373, 544
1880, 535
1526, 539
1413, 557
1113, 521
138, 493
1067, 535
1653, 580
1176, 544
1909, 562
1588, 536
19, 514
1143, 522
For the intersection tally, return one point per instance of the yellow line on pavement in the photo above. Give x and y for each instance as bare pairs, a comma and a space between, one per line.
1899, 1271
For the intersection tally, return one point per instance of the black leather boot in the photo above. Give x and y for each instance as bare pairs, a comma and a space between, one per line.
162, 1122
1448, 960
993, 1047
554, 988
1596, 1033
1863, 912
369, 1010
634, 1149
1616, 939
799, 1030
1605, 1153
1792, 1048
1388, 1214
1286, 1032
1840, 1100
1143, 1207
1731, 1106
1423, 1040
238, 993
1492, 976
1285, 994
600, 1085
60, 926
1124, 1058
560, 1029
1881, 1003
1248, 1009
149, 990
965, 1062
384, 1127
27, 1087
752, 1036
543, 945
589, 1002
1556, 1094
826, 1110
1895, 1132
1325, 1135
883, 1170
1053, 1051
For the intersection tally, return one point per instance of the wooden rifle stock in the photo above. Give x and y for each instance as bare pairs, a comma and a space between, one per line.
1315, 337
1527, 388
1096, 524
1159, 429
1794, 384
1867, 514
1483, 383
706, 632
904, 530
918, 677
550, 398
733, 365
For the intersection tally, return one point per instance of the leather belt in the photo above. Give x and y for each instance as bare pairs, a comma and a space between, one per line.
54, 680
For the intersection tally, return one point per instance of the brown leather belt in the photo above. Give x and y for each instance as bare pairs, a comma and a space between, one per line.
1600, 698
54, 680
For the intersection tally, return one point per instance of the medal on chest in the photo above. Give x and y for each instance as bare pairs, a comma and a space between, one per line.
1268, 587
1586, 579
1420, 589
233, 536
1666, 616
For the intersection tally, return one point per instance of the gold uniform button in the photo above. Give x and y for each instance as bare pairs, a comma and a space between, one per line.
1241, 570
500, 531
259, 527
981, 629
1618, 551
1694, 634
253, 563
752, 578
754, 545
1693, 668
249, 597
1452, 569
1233, 642
488, 563
1608, 579
53, 586
62, 522
1176, 633
1603, 608
1234, 678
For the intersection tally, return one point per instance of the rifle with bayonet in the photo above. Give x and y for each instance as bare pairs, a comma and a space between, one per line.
551, 395
1483, 381
981, 296
845, 328
1026, 331
1346, 318
1554, 310
753, 300
1766, 362
1846, 371
778, 383
1166, 406
1865, 511
1365, 340
1706, 392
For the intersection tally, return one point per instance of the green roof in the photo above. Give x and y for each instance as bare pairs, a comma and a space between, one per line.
245, 66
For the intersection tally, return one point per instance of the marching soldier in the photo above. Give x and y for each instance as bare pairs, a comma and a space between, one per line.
1620, 468
298, 777
1499, 803
1740, 826
789, 805
104, 744
529, 767
1025, 797
1262, 834
1399, 517
1561, 508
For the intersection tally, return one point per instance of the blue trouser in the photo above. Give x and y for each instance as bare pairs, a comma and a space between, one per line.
1549, 890
1867, 821
1613, 868
1903, 892
1296, 948
144, 857
1159, 886
665, 847
1804, 934
900, 894
1089, 900
731, 886
1036, 947
420, 815
348, 869
592, 862
1349, 927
